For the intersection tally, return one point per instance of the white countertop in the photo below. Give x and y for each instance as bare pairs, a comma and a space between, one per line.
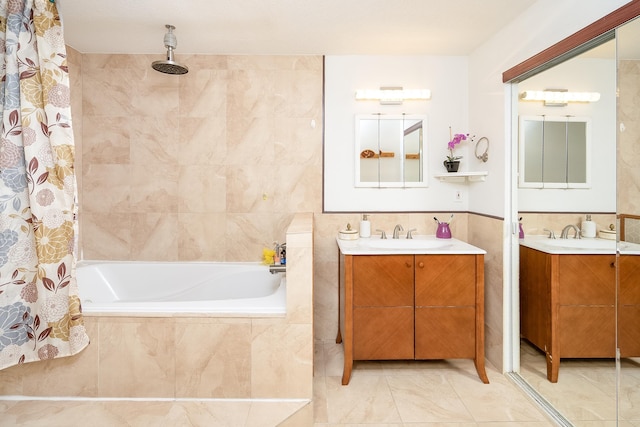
570, 245
579, 246
432, 246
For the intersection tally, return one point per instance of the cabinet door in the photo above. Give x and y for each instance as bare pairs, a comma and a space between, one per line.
587, 331
383, 333
445, 306
586, 312
383, 281
587, 280
383, 313
445, 332
445, 280
629, 305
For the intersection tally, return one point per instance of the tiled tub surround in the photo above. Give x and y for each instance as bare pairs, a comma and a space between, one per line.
192, 357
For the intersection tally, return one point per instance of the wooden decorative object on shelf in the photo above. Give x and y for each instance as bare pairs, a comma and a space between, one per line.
368, 154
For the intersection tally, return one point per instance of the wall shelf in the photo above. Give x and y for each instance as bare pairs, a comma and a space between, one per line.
463, 176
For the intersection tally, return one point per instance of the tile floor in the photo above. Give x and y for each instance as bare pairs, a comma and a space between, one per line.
586, 389
416, 394
380, 394
48, 413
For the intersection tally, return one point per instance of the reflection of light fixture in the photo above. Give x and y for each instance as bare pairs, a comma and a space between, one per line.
558, 97
392, 95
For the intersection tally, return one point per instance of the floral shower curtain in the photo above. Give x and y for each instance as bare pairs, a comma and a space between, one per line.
40, 316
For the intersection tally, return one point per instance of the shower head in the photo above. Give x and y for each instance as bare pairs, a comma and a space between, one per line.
169, 66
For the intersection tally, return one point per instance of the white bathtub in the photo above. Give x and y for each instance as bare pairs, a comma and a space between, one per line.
180, 288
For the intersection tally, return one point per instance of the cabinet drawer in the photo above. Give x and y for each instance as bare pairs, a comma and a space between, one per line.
445, 280
587, 279
383, 280
445, 332
383, 333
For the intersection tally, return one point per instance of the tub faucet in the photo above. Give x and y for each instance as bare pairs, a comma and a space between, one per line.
277, 268
396, 231
565, 232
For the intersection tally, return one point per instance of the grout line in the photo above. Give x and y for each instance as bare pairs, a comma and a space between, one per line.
147, 399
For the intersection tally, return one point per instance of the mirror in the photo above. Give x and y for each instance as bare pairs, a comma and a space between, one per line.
390, 151
628, 211
585, 392
554, 152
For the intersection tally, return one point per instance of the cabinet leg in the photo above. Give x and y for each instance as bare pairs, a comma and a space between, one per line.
346, 373
482, 373
339, 337
553, 368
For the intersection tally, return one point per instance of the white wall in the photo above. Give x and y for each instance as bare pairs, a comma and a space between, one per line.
447, 78
542, 25
579, 75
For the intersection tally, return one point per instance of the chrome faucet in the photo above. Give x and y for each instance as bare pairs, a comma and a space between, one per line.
398, 228
565, 232
277, 268
552, 235
409, 235
383, 235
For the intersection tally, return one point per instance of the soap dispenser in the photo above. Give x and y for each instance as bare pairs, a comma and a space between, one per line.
365, 226
588, 228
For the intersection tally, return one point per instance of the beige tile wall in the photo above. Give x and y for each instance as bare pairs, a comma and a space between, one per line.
628, 179
206, 166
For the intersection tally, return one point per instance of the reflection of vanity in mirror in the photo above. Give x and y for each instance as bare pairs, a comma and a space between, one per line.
390, 151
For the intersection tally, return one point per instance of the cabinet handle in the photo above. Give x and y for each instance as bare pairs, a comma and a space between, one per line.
613, 265
408, 264
421, 264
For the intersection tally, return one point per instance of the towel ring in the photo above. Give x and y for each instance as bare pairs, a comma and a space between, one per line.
485, 155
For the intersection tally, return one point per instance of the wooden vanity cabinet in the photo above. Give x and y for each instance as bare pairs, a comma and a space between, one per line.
411, 307
629, 305
567, 305
383, 307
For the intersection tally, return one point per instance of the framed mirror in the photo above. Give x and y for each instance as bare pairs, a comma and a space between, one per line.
555, 152
390, 151
605, 391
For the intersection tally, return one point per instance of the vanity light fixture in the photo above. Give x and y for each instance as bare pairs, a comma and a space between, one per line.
392, 95
558, 97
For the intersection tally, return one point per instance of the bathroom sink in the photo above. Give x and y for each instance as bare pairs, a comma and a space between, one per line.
419, 244
582, 243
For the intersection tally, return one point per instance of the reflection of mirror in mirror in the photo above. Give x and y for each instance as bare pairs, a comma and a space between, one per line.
412, 140
554, 152
390, 151
628, 211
